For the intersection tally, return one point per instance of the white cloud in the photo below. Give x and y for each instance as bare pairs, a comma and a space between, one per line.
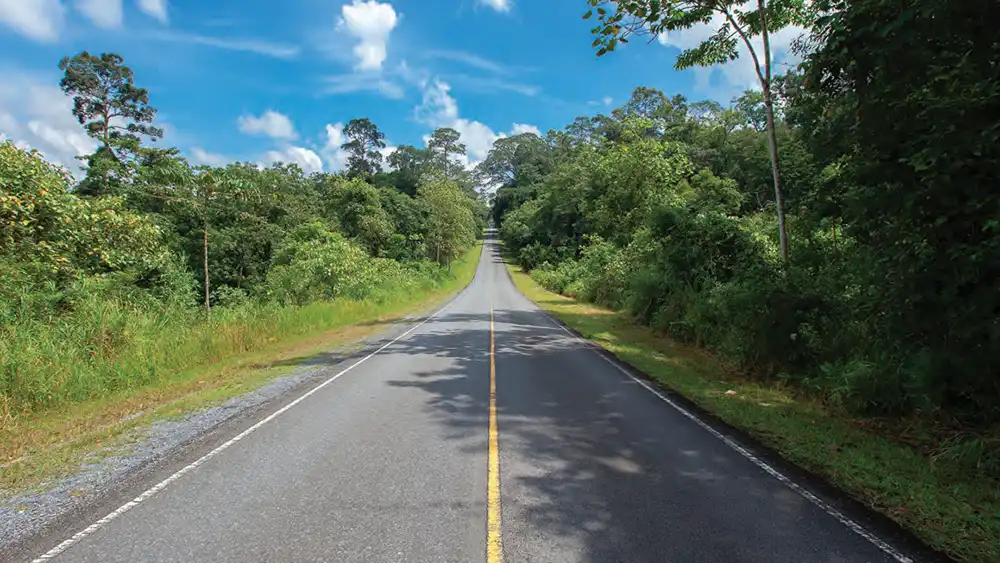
104, 13
607, 100
370, 22
270, 123
38, 115
277, 50
726, 80
41, 20
525, 128
306, 159
202, 156
154, 8
336, 157
439, 109
498, 5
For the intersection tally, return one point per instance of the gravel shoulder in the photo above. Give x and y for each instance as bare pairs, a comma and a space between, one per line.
109, 473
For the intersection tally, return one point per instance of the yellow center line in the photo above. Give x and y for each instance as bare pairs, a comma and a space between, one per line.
494, 545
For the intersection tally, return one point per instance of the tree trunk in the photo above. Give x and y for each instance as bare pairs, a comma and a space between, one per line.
208, 306
779, 199
772, 136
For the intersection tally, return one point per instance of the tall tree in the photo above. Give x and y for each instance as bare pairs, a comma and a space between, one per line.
364, 160
655, 17
751, 107
113, 110
445, 146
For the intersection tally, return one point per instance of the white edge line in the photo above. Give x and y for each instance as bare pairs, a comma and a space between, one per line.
841, 517
67, 543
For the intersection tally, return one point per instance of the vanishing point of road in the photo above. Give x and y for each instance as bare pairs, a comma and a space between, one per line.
484, 433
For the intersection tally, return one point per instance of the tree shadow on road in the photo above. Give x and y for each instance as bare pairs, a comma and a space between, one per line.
595, 469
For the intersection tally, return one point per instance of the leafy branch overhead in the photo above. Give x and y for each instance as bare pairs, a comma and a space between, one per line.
619, 20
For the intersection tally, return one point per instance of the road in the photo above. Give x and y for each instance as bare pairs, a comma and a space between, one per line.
392, 460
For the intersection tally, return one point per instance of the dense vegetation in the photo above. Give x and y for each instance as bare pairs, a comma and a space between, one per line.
888, 303
149, 265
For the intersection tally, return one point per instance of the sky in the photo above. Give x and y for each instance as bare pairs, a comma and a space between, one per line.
266, 81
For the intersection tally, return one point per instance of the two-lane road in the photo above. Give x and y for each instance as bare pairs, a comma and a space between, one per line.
391, 461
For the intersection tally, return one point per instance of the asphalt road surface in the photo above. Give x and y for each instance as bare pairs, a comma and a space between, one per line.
391, 461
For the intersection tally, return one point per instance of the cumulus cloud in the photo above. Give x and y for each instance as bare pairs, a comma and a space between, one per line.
270, 123
607, 100
306, 159
154, 8
370, 22
439, 109
525, 128
103, 13
40, 20
726, 80
498, 5
35, 114
335, 157
202, 156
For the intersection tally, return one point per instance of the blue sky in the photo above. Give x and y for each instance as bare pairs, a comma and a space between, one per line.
261, 80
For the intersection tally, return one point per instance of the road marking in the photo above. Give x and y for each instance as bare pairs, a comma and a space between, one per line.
840, 516
494, 543
66, 544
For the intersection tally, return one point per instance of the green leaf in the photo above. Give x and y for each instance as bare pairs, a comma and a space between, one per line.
588, 14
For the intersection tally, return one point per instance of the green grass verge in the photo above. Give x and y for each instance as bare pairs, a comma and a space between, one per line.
37, 446
951, 510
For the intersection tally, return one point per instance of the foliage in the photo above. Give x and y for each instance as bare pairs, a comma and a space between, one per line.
357, 205
314, 264
61, 237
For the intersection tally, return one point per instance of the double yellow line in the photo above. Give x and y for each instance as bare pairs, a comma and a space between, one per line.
494, 543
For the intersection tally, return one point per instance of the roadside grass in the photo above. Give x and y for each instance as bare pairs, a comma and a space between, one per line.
951, 510
36, 447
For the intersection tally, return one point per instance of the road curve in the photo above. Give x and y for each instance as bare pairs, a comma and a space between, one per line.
389, 462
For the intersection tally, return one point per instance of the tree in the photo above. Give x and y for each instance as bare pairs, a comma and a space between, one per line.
503, 164
751, 107
409, 164
443, 144
655, 17
357, 206
204, 191
364, 160
451, 223
112, 109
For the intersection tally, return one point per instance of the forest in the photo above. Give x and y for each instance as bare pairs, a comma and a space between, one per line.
871, 281
145, 265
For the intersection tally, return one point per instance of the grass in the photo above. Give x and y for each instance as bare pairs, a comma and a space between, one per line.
953, 511
36, 446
